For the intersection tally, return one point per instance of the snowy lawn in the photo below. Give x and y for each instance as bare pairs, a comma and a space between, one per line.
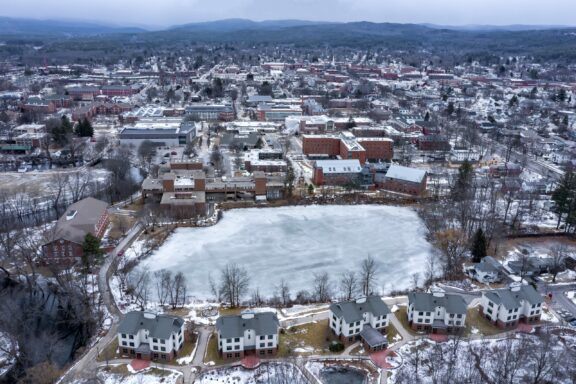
148, 376
270, 373
293, 243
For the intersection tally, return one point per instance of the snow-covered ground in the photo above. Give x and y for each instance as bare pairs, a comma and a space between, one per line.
7, 353
266, 373
293, 243
143, 377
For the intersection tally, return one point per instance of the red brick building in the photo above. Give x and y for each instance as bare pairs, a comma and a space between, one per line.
348, 147
405, 180
85, 216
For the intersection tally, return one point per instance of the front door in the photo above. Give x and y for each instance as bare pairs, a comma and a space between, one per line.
139, 356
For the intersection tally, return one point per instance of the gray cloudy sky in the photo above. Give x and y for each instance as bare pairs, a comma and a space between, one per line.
169, 12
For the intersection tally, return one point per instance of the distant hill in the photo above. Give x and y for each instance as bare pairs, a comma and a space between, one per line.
14, 26
488, 28
230, 25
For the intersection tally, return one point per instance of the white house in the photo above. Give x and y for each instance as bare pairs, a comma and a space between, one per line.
353, 320
486, 271
248, 333
507, 307
148, 336
436, 312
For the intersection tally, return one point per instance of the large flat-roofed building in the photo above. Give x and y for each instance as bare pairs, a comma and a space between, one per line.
222, 112
347, 146
276, 112
164, 132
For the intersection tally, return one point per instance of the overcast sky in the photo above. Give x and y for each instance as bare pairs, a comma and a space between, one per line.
170, 12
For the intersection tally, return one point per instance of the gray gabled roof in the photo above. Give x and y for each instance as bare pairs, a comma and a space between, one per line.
263, 323
80, 219
352, 311
512, 299
412, 175
427, 302
372, 337
158, 326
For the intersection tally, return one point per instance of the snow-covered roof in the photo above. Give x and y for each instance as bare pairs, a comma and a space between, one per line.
405, 173
339, 166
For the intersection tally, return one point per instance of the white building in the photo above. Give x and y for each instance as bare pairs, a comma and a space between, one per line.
436, 312
148, 336
488, 270
461, 155
507, 307
255, 333
350, 320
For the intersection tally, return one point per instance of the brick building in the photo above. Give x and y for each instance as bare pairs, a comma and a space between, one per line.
85, 216
406, 180
347, 146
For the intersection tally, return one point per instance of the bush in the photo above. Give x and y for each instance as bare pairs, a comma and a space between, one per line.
336, 346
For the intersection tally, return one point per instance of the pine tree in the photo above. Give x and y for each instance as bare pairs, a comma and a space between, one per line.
564, 198
91, 252
427, 116
87, 130
464, 181
479, 246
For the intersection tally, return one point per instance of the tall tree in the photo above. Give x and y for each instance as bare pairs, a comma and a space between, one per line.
368, 271
479, 246
564, 197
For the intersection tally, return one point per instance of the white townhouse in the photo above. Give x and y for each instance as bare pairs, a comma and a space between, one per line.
366, 319
149, 336
507, 307
248, 333
436, 312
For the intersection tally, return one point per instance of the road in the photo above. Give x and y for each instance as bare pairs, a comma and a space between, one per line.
87, 366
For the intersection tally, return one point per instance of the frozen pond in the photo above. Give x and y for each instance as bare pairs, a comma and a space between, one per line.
295, 242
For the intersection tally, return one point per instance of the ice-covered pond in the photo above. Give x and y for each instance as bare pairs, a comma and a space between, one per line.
295, 242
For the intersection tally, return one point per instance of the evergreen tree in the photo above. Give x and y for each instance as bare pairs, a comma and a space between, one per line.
84, 128
427, 116
564, 198
479, 246
464, 181
450, 109
91, 252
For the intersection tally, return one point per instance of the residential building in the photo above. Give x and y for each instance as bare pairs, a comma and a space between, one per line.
149, 336
507, 307
436, 312
85, 216
488, 270
354, 320
248, 333
433, 143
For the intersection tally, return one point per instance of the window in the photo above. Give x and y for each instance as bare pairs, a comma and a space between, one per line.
262, 345
154, 340
162, 341
237, 340
131, 337
237, 354
490, 304
262, 337
163, 349
420, 313
419, 321
270, 337
131, 344
262, 352
229, 355
124, 350
163, 356
123, 336
459, 316
229, 348
155, 356
270, 344
427, 321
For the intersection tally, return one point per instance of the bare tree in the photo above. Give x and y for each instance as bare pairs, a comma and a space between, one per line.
322, 290
349, 285
368, 272
138, 286
558, 255
234, 283
284, 292
163, 280
178, 290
